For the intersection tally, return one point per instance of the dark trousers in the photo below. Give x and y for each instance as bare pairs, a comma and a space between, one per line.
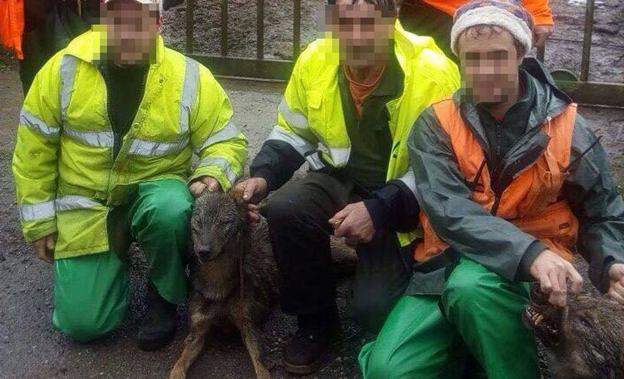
424, 20
298, 215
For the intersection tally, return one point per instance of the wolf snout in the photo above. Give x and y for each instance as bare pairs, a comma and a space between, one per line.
203, 253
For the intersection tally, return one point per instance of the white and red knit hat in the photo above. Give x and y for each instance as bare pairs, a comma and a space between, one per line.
157, 4
507, 14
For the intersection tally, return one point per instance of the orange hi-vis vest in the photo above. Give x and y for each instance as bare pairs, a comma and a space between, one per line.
532, 199
12, 25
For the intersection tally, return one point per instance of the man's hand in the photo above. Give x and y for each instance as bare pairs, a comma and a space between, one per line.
44, 248
553, 272
616, 282
541, 33
252, 191
354, 223
200, 184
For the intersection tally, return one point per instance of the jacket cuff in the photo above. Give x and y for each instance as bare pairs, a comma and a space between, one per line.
378, 212
43, 229
401, 208
524, 268
266, 174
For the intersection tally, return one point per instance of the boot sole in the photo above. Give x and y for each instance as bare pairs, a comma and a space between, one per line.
303, 369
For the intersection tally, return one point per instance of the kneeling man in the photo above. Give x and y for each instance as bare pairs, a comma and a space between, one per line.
347, 111
103, 156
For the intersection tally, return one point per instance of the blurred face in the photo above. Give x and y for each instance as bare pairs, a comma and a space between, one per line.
132, 29
364, 34
489, 63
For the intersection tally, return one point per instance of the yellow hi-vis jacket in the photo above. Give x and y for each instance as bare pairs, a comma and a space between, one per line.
65, 174
310, 116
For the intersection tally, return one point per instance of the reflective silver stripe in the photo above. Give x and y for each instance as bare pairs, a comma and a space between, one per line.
409, 180
315, 161
68, 71
189, 93
95, 139
229, 131
33, 122
156, 149
222, 164
36, 212
340, 157
303, 147
71, 202
296, 119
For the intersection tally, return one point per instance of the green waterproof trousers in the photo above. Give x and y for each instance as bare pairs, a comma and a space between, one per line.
478, 314
91, 291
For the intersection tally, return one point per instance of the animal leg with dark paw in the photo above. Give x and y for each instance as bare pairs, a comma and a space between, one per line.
201, 322
252, 340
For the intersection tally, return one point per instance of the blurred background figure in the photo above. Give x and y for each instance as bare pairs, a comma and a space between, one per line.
435, 17
36, 29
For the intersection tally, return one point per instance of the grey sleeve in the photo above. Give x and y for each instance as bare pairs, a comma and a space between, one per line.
595, 201
445, 198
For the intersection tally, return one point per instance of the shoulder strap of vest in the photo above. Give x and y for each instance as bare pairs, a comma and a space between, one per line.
446, 112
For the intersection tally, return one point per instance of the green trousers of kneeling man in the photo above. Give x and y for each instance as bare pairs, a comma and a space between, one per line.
432, 336
91, 291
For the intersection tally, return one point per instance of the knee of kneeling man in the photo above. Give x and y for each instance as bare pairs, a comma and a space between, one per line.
370, 312
170, 215
280, 210
463, 291
381, 365
81, 327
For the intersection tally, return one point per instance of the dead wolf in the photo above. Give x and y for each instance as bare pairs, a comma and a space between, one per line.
584, 340
233, 276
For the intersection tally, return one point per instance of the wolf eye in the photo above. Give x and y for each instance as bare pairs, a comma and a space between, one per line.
585, 322
195, 228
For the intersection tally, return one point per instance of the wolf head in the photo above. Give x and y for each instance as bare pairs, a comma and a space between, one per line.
585, 339
218, 226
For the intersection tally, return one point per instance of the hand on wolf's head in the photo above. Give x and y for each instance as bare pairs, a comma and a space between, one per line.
44, 247
252, 191
553, 273
252, 211
616, 282
200, 184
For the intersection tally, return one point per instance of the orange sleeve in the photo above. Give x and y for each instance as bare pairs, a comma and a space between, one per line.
542, 14
12, 25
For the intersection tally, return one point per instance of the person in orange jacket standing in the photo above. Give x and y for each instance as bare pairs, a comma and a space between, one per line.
435, 18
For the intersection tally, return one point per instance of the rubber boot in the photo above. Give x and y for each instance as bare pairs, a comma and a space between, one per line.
158, 326
303, 353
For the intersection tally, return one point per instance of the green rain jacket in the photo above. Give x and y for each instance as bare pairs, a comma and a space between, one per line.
473, 232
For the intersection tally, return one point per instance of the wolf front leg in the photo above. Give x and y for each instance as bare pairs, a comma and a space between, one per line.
252, 340
201, 321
